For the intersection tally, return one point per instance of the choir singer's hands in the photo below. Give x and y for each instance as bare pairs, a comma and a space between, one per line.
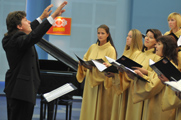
109, 74
142, 70
162, 78
130, 74
178, 94
120, 69
138, 72
86, 66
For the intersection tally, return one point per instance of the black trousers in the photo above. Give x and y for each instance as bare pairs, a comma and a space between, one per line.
19, 109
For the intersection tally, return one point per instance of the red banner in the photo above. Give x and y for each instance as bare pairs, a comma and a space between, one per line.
62, 26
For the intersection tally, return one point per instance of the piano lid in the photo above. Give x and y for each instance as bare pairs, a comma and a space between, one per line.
58, 54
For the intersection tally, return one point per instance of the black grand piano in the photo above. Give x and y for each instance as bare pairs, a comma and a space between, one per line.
55, 73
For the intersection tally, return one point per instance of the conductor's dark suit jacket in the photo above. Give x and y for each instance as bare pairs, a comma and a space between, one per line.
23, 78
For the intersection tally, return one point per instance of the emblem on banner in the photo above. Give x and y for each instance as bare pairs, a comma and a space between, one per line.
62, 26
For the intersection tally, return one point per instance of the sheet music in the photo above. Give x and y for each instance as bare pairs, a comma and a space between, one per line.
151, 62
62, 90
110, 60
175, 85
115, 63
179, 41
101, 67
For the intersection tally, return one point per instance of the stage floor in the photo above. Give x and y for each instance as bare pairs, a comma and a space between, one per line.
76, 107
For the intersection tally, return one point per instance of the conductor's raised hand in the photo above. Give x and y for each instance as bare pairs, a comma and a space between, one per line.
46, 12
59, 10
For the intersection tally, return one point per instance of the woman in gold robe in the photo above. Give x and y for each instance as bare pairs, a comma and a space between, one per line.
133, 47
171, 98
129, 110
97, 95
151, 93
171, 101
174, 22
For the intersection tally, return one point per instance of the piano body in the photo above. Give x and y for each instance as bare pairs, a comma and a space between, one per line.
55, 73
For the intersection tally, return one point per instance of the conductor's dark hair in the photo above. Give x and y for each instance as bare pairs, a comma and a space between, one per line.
13, 19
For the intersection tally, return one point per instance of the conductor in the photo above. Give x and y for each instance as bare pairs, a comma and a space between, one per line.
22, 79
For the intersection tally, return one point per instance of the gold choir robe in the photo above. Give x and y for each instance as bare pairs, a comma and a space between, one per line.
170, 101
178, 33
97, 95
151, 94
133, 111
117, 98
179, 60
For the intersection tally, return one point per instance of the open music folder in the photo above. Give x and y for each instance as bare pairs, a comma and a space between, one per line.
125, 61
62, 90
175, 85
165, 67
88, 62
102, 68
128, 62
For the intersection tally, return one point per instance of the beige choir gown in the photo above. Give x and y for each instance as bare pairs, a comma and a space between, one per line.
151, 93
179, 60
178, 33
97, 95
170, 100
132, 111
117, 98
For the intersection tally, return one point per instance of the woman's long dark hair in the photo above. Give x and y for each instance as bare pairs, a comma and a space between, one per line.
156, 34
170, 48
109, 38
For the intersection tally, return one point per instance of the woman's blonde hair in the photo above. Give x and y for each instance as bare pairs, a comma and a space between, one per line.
175, 16
136, 42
